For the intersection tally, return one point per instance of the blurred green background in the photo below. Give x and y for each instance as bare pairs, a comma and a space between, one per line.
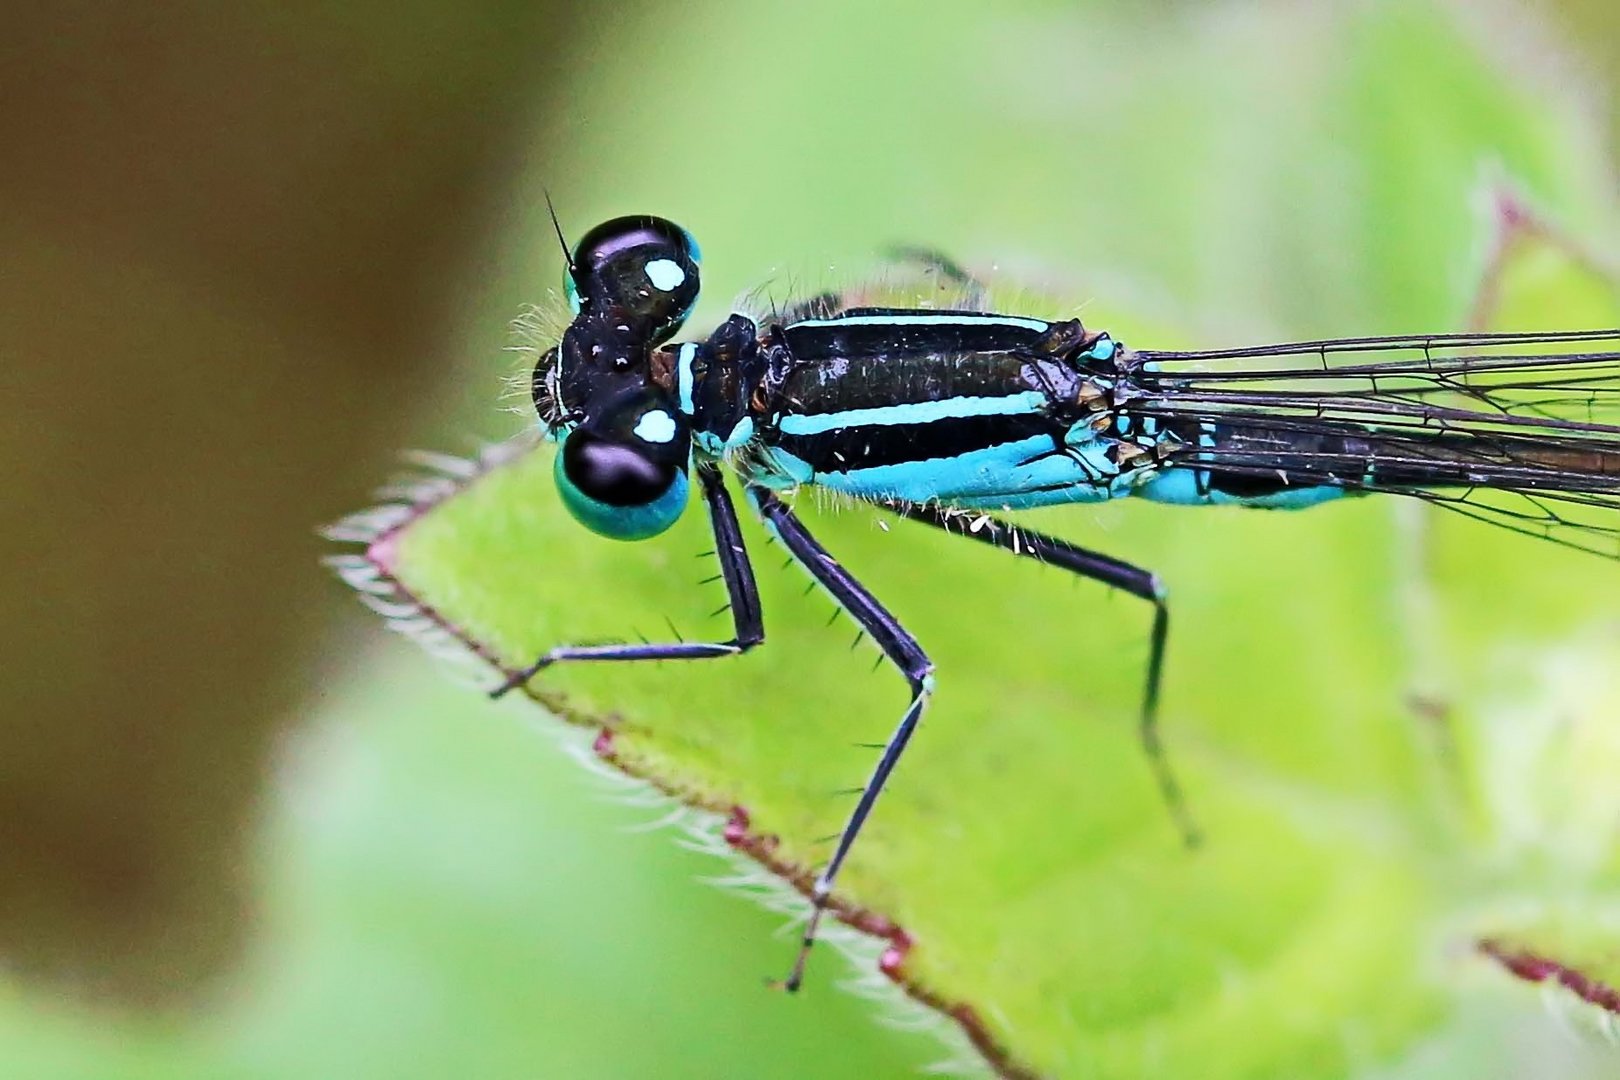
246, 255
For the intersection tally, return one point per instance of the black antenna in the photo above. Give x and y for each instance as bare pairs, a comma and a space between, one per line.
568, 252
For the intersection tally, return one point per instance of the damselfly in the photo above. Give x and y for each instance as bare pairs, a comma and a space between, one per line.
952, 416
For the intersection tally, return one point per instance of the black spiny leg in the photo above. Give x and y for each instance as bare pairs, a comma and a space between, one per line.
975, 296
1109, 571
747, 619
832, 303
901, 649
823, 305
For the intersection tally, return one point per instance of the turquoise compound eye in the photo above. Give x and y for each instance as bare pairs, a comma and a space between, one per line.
617, 489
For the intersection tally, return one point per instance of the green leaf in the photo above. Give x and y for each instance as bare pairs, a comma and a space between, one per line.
1022, 849
1356, 848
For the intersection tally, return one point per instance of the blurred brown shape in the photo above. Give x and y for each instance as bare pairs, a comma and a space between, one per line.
1590, 26
226, 236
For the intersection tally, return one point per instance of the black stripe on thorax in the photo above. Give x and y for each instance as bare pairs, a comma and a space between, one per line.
850, 337
868, 446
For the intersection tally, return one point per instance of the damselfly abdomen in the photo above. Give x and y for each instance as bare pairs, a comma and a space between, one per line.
950, 417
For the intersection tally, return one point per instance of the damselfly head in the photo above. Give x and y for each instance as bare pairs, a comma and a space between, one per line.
640, 271
625, 445
630, 283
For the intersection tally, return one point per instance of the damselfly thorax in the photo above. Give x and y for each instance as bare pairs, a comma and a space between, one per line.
950, 414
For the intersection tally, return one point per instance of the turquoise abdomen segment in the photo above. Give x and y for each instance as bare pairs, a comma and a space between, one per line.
1183, 486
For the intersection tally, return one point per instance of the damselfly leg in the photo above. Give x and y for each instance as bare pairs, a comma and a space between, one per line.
895, 641
738, 574
1112, 572
964, 291
901, 649
974, 294
822, 305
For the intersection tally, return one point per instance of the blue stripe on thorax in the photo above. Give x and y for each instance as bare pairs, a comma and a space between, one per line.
1026, 472
920, 412
683, 375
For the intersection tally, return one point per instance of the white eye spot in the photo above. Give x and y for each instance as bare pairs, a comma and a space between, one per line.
656, 426
665, 274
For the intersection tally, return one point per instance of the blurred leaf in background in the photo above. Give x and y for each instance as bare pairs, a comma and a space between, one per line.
241, 252
234, 245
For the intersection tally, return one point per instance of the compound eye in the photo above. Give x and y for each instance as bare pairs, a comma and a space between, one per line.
644, 268
624, 475
613, 474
